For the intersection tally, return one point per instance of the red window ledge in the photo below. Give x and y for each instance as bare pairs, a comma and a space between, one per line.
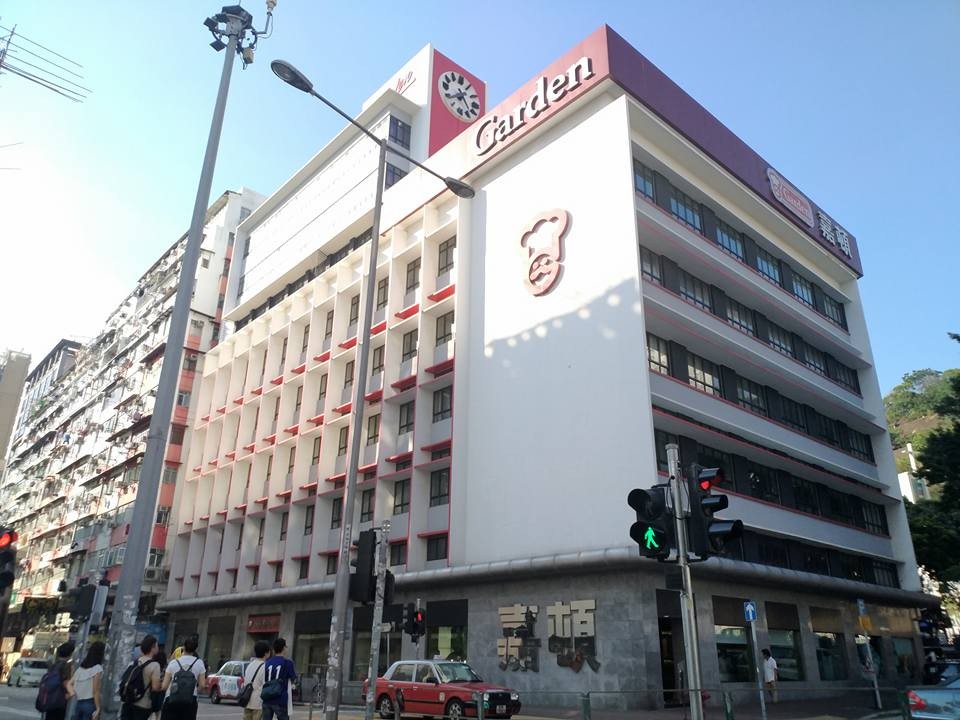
232, 455
437, 445
316, 419
323, 357
347, 344
222, 512
405, 383
309, 486
257, 390
375, 396
300, 369
205, 418
212, 463
408, 312
241, 506
278, 380
343, 409
284, 493
261, 500
443, 293
337, 478
399, 458
432, 533
292, 430
250, 447
270, 439
441, 368
378, 328
238, 400
222, 409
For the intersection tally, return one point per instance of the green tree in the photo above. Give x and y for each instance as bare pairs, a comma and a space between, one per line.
936, 537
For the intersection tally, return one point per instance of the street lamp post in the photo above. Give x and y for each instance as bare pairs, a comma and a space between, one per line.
290, 75
233, 22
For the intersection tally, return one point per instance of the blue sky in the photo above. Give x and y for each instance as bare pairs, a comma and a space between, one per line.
855, 102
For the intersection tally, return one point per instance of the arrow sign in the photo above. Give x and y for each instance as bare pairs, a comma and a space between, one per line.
750, 611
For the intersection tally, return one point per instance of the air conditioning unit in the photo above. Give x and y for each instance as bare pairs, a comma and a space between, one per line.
166, 575
152, 574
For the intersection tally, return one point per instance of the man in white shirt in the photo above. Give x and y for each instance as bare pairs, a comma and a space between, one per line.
254, 674
770, 674
189, 662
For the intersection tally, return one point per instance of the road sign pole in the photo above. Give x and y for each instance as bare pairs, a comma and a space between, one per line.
691, 644
373, 669
756, 659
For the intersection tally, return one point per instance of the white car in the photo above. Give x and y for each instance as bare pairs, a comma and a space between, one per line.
27, 671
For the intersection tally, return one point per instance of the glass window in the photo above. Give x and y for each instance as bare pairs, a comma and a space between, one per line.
413, 275
768, 265
445, 255
309, 516
695, 290
442, 403
733, 653
445, 328
342, 441
780, 339
403, 673
348, 373
871, 648
740, 316
826, 429
650, 265
398, 554
376, 361
332, 563
315, 454
814, 560
323, 391
764, 483
409, 345
874, 518
284, 524
685, 209
803, 290
831, 657
366, 506
847, 377
793, 414
729, 240
406, 417
838, 506
860, 445
834, 310
399, 132
751, 396
383, 287
437, 547
336, 513
885, 574
440, 487
813, 359
643, 179
401, 496
393, 174
449, 642
785, 649
424, 673
661, 439
703, 374
773, 551
657, 356
328, 325
304, 569
373, 429
805, 496
354, 309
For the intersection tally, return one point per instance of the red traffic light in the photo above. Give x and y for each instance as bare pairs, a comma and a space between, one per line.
418, 616
8, 537
708, 477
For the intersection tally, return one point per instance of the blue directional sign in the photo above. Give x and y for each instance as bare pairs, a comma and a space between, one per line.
750, 611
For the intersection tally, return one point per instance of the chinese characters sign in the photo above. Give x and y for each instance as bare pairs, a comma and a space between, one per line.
822, 225
571, 636
833, 233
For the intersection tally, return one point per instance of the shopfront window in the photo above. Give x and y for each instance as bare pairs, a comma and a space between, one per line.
903, 656
361, 653
733, 653
785, 648
831, 659
870, 655
310, 652
450, 642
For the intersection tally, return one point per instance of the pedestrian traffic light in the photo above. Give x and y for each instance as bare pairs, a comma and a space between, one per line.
8, 557
708, 534
408, 611
654, 529
363, 583
419, 625
388, 586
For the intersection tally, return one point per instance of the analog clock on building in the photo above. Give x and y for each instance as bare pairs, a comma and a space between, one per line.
458, 96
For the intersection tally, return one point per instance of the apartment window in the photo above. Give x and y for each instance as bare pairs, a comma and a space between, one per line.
240, 536
440, 454
383, 287
308, 517
768, 265
366, 506
847, 377
658, 357
315, 455
399, 132
401, 496
773, 551
643, 179
741, 317
177, 433
826, 429
814, 560
283, 356
255, 576
321, 396
342, 441
354, 309
803, 290
751, 396
331, 564
163, 515
406, 417
440, 487
413, 275
780, 339
284, 524
650, 265
834, 310
304, 569
298, 404
348, 374
729, 240
392, 175
805, 496
190, 362
764, 483
373, 429
703, 374
328, 325
445, 255
661, 439
377, 360
814, 359
409, 345
398, 554
183, 398
261, 526
442, 403
336, 513
874, 518
685, 209
170, 473
695, 290
155, 559
437, 547
445, 328
860, 445
793, 414
885, 574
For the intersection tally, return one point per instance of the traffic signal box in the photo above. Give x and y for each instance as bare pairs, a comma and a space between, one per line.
708, 535
8, 557
363, 583
654, 531
414, 622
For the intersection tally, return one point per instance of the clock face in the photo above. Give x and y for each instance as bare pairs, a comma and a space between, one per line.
458, 96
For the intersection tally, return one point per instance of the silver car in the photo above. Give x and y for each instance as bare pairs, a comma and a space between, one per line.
935, 702
27, 671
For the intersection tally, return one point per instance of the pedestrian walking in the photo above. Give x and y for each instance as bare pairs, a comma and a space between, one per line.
771, 673
183, 679
86, 683
279, 675
253, 679
56, 686
141, 683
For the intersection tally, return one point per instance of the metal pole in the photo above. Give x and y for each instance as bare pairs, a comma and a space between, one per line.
124, 618
759, 666
341, 588
687, 610
374, 666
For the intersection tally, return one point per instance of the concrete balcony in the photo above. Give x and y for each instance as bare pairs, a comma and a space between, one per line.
441, 430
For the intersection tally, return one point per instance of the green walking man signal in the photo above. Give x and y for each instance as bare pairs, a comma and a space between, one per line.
651, 538
653, 531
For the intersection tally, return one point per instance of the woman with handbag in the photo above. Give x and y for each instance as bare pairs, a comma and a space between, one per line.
86, 682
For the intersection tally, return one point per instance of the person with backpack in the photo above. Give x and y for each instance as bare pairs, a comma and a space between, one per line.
249, 697
56, 686
86, 681
278, 674
183, 678
140, 682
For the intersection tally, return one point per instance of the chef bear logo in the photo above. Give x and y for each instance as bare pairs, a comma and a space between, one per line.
543, 240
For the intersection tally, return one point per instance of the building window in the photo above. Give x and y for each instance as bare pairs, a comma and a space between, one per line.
284, 524
874, 518
336, 513
163, 515
661, 439
348, 374
729, 240
779, 339
261, 526
814, 359
183, 398
860, 445
768, 265
305, 341
685, 209
413, 275
399, 132
170, 473
834, 311
825, 429
315, 455
885, 574
373, 429
383, 287
803, 290
445, 255
440, 487
354, 309
255, 576
658, 357
322, 395
308, 517
437, 548
703, 374
377, 360
733, 653
814, 560
805, 496
155, 559
442, 403
785, 649
409, 345
398, 554
304, 570
643, 179
764, 483
331, 564
772, 551
709, 457
793, 414
298, 404
741, 317
190, 362
847, 377
695, 290
445, 328
751, 396
328, 325
177, 433
406, 417
392, 175
342, 441
831, 657
650, 265
366, 506
401, 496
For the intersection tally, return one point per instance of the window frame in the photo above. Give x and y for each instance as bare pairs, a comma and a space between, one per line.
445, 255
443, 403
407, 417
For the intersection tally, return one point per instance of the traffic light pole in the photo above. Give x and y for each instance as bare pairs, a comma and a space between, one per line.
373, 667
691, 644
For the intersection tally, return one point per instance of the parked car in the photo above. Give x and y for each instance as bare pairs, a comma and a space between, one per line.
940, 671
440, 687
27, 671
227, 682
938, 702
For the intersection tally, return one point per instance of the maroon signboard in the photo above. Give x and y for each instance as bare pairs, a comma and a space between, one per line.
257, 624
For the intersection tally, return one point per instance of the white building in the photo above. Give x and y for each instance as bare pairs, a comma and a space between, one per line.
629, 273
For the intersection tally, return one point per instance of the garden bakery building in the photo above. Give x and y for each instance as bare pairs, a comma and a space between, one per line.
629, 274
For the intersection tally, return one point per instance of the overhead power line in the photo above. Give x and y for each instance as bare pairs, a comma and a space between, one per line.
54, 52
13, 61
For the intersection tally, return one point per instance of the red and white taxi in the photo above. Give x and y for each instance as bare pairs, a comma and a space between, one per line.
440, 688
227, 682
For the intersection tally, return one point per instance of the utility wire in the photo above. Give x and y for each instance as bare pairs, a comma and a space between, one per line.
41, 75
30, 52
32, 42
21, 61
43, 83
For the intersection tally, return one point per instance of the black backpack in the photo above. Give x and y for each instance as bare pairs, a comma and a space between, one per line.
133, 685
182, 685
243, 699
51, 694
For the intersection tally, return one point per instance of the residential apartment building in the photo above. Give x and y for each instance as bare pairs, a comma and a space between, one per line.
629, 274
76, 458
13, 373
